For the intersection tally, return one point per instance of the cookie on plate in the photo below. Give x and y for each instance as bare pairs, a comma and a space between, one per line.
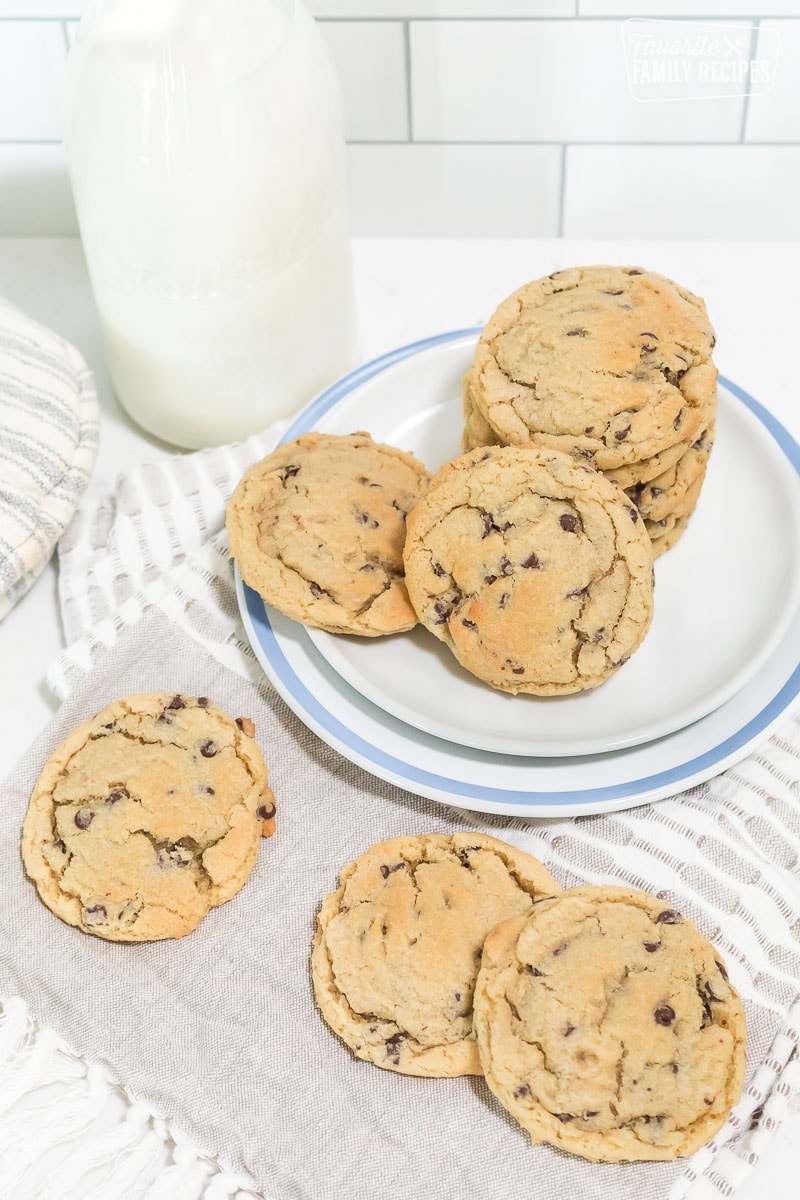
607, 1026
535, 571
318, 527
147, 816
397, 947
609, 364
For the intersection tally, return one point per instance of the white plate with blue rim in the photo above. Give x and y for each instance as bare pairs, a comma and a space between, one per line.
717, 671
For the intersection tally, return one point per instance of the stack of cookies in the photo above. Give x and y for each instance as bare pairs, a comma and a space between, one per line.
601, 1019
611, 365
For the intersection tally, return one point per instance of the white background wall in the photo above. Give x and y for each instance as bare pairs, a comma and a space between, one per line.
483, 117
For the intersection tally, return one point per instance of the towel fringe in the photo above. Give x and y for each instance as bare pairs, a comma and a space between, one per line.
69, 1132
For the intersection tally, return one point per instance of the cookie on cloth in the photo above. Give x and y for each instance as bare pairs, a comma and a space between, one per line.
147, 816
398, 945
609, 364
49, 422
536, 572
607, 1026
318, 526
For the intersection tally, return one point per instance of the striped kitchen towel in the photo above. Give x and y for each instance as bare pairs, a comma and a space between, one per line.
49, 423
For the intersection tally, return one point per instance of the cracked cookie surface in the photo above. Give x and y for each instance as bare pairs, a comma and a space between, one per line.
397, 947
536, 572
610, 364
147, 816
607, 1026
318, 527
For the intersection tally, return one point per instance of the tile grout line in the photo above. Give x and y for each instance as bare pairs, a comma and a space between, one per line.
562, 190
746, 106
409, 103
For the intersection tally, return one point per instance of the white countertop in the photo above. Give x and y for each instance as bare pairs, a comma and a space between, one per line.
409, 289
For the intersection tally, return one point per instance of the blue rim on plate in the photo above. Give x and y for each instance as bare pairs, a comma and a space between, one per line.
327, 725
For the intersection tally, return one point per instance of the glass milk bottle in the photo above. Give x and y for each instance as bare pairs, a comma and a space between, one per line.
206, 153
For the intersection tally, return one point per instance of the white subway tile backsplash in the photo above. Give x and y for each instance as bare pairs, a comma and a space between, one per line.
32, 57
682, 191
501, 191
442, 8
544, 81
688, 8
33, 9
775, 117
371, 58
35, 196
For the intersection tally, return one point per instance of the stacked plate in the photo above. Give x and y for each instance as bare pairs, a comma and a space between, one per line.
718, 670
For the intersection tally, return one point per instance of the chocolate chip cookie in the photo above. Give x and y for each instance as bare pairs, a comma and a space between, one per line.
609, 364
536, 572
318, 527
398, 945
607, 1026
147, 816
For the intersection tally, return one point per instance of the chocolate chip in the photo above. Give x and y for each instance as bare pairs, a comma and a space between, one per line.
577, 333
647, 349
438, 569
488, 525
175, 856
177, 702
560, 948
593, 1113
505, 567
202, 701
117, 795
589, 429
633, 271
163, 719
706, 1100
59, 845
676, 424
266, 814
287, 472
674, 1068
650, 947
570, 1029
669, 917
95, 915
204, 790
633, 515
84, 818
646, 333
504, 599
664, 1014
565, 1117
246, 725
443, 611
386, 871
621, 434
522, 1090
721, 969
392, 1045
365, 519
468, 624
569, 522
399, 508
709, 993
458, 995
708, 1016
490, 579
534, 970
209, 748
518, 670
316, 590
618, 292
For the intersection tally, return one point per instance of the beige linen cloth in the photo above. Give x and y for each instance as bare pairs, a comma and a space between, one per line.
219, 1031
